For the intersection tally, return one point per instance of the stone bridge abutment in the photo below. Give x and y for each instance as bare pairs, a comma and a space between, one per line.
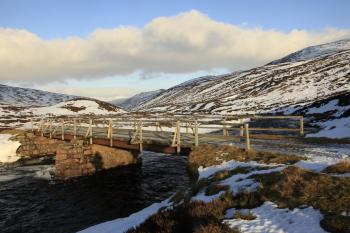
77, 157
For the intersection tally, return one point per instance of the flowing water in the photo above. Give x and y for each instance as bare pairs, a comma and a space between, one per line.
30, 201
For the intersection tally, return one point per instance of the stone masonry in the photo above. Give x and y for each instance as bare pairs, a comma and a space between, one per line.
76, 159
35, 146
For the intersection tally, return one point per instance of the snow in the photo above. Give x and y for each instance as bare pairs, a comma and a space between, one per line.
8, 149
239, 182
88, 107
337, 128
229, 165
318, 163
315, 51
16, 96
271, 219
121, 225
202, 197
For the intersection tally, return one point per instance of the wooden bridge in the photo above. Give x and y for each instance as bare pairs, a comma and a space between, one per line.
170, 134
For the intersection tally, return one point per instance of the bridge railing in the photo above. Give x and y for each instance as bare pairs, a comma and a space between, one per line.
176, 125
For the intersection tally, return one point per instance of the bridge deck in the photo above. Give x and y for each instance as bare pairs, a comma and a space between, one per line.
160, 134
152, 140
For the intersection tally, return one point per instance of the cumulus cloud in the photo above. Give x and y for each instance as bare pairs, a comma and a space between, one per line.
187, 42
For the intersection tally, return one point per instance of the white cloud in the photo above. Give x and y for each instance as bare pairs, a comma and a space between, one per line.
187, 42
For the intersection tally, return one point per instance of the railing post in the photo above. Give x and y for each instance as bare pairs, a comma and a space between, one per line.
241, 131
62, 129
141, 136
111, 133
42, 127
224, 130
178, 138
32, 124
90, 130
247, 139
196, 137
75, 128
301, 125
50, 128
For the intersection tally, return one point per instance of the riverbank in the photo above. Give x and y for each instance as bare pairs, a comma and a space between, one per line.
250, 192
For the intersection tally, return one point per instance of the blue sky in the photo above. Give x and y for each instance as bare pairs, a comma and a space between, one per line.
61, 18
295, 23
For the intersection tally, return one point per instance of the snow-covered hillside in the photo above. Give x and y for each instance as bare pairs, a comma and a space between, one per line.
13, 116
289, 88
260, 90
77, 107
137, 99
315, 51
26, 97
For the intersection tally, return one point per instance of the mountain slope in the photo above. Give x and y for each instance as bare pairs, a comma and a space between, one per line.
26, 97
317, 88
259, 90
77, 107
313, 52
137, 99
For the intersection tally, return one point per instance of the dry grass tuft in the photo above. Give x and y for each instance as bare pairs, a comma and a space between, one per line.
340, 168
199, 217
336, 223
245, 216
213, 189
294, 186
209, 155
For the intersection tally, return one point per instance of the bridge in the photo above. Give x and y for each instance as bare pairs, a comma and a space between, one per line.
169, 134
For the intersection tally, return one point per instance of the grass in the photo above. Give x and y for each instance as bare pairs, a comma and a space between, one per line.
209, 155
339, 168
294, 187
197, 217
244, 215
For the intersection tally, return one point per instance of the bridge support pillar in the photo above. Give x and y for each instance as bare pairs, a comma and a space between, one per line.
74, 160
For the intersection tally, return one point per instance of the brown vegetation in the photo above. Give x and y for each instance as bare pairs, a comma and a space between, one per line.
198, 217
340, 168
209, 155
294, 187
245, 216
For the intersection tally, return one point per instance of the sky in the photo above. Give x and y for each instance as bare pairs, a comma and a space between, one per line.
115, 49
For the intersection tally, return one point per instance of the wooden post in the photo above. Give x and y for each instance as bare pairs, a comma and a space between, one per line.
247, 139
178, 138
90, 130
32, 124
224, 130
50, 128
302, 126
75, 128
141, 136
42, 127
241, 131
196, 138
111, 133
62, 129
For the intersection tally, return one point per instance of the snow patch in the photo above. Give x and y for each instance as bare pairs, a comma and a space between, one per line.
8, 149
121, 225
271, 219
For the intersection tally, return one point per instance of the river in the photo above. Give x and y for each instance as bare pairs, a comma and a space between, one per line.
31, 201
